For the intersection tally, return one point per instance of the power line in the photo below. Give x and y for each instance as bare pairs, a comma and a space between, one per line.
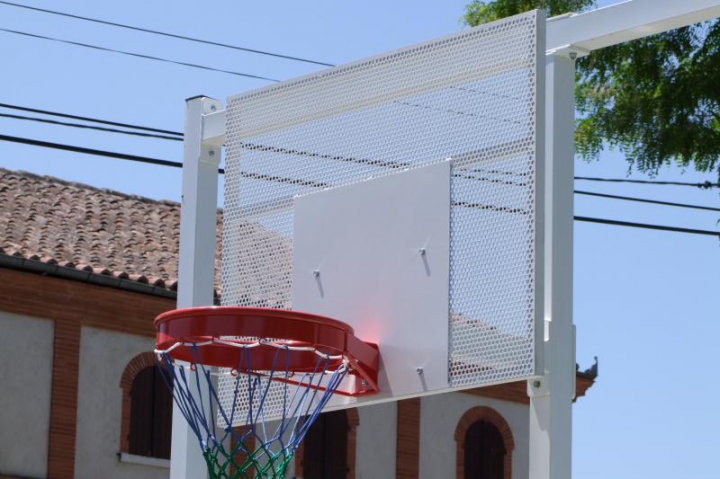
175, 164
90, 151
90, 127
166, 34
703, 185
646, 226
178, 137
154, 161
643, 200
138, 55
93, 120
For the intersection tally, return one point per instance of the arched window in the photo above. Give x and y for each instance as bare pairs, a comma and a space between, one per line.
484, 445
328, 449
147, 409
484, 452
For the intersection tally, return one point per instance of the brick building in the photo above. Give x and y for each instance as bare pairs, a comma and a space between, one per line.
84, 271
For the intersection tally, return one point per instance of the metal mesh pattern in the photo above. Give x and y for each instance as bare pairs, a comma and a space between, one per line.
274, 399
471, 97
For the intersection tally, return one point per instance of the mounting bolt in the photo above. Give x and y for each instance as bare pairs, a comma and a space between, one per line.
316, 273
422, 251
211, 152
419, 370
357, 361
573, 55
364, 382
213, 108
536, 384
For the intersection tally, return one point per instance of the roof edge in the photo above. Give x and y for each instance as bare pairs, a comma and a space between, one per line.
55, 270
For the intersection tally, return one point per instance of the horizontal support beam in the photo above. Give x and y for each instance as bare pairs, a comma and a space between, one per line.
624, 22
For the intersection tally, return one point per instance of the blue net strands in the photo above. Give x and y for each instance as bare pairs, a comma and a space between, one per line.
272, 421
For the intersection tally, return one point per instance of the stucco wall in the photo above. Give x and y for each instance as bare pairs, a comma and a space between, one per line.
439, 416
26, 348
376, 442
103, 357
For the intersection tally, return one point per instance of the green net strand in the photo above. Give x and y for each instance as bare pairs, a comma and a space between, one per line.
269, 435
222, 465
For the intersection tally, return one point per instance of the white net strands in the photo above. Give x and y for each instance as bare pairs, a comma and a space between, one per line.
261, 447
472, 97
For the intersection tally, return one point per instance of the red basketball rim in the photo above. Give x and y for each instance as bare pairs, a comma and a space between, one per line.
191, 335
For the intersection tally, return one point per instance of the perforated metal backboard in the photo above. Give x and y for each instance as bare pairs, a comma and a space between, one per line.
301, 153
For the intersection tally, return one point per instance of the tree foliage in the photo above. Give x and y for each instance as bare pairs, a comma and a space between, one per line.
657, 99
479, 12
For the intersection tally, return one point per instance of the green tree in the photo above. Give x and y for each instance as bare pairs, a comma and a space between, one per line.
657, 99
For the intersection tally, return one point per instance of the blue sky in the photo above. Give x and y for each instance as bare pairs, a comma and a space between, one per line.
645, 301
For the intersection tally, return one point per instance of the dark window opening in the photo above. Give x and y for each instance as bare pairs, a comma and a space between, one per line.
325, 447
150, 415
484, 452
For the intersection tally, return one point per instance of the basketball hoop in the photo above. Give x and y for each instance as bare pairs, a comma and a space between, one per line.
304, 357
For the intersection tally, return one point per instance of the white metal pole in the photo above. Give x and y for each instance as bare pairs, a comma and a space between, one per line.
551, 394
196, 269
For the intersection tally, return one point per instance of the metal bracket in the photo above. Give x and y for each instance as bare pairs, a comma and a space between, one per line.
213, 127
571, 51
538, 386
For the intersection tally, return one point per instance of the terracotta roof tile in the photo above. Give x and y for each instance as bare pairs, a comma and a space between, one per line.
90, 229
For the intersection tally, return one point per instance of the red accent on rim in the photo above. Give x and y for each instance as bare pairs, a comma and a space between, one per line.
294, 328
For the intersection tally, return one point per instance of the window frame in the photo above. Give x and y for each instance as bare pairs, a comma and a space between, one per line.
136, 365
353, 421
490, 415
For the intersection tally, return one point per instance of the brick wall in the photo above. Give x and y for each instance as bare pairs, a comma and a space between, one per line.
408, 439
72, 305
63, 405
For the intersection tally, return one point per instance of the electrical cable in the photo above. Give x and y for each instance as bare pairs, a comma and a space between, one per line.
643, 200
647, 226
175, 164
154, 161
84, 118
90, 127
91, 151
704, 185
179, 138
166, 34
138, 55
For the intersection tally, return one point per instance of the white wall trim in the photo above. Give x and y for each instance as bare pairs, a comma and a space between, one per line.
143, 460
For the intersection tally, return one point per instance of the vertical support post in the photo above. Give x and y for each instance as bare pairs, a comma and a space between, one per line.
551, 394
196, 269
